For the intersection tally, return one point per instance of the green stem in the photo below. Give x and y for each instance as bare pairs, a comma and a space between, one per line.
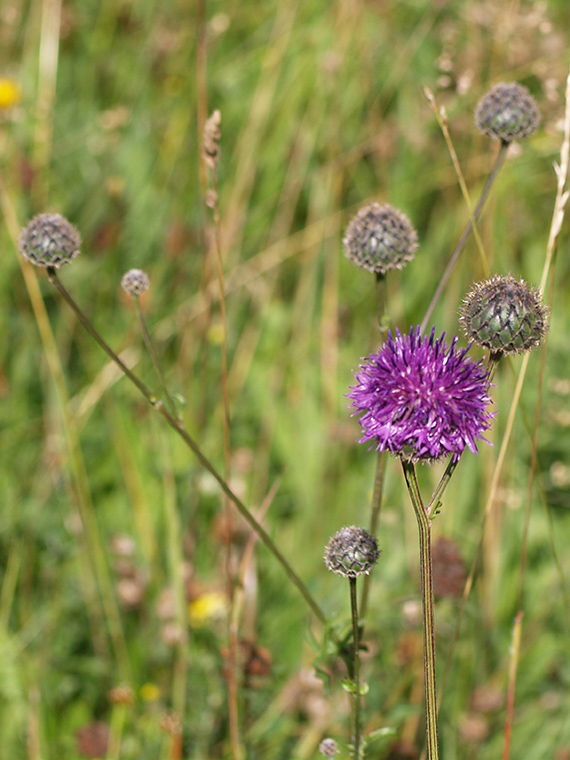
152, 353
463, 239
442, 485
374, 518
382, 298
178, 427
424, 527
356, 667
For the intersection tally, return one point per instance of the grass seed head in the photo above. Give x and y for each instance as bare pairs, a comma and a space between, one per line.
212, 136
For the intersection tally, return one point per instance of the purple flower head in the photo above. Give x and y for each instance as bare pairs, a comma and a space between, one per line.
421, 399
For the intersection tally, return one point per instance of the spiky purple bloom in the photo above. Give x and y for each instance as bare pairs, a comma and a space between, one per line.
421, 399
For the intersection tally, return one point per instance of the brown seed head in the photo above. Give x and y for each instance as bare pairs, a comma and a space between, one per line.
212, 135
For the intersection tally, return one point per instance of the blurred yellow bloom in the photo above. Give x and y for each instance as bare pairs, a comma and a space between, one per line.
215, 334
149, 692
210, 605
10, 93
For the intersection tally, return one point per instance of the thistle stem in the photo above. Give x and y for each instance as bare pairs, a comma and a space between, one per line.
356, 667
424, 527
178, 427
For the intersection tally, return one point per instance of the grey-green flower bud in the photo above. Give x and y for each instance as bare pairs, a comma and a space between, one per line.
379, 238
49, 240
351, 552
504, 315
507, 112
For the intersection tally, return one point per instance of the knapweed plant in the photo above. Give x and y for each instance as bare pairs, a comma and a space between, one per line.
423, 400
420, 397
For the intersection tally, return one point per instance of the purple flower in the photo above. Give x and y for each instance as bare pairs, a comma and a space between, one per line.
422, 399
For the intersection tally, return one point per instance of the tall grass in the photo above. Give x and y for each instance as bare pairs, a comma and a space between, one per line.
322, 112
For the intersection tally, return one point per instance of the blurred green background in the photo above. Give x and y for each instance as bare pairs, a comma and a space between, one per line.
104, 512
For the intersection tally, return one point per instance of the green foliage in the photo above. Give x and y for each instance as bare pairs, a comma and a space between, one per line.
322, 113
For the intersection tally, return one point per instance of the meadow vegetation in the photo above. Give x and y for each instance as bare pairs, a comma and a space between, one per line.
116, 545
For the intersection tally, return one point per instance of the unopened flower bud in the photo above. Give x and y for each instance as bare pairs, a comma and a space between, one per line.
380, 238
507, 112
351, 552
504, 315
135, 282
49, 240
328, 747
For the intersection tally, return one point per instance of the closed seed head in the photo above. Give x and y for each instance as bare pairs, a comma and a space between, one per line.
379, 238
49, 240
135, 282
507, 112
328, 747
351, 552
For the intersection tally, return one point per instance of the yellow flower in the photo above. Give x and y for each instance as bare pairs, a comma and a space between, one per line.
10, 93
215, 334
210, 605
149, 692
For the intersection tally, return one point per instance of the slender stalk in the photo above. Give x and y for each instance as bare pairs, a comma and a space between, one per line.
178, 427
382, 298
175, 567
356, 667
513, 666
424, 527
465, 234
153, 356
118, 718
442, 485
57, 283
232, 675
211, 154
374, 519
376, 507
